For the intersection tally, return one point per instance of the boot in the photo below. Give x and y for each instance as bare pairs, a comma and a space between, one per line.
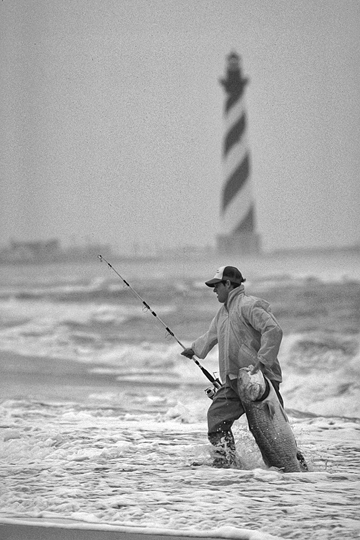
302, 461
225, 451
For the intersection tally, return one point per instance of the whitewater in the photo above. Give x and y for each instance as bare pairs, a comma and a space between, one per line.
102, 421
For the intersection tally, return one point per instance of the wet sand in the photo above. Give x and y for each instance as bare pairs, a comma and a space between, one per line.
28, 531
41, 378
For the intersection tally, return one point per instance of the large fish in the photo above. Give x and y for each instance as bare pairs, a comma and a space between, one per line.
268, 422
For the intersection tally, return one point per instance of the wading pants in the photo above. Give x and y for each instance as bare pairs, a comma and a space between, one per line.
224, 410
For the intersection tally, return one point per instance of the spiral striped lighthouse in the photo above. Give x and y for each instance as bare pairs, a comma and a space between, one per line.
237, 220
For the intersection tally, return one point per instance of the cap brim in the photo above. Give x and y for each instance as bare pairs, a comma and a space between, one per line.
212, 282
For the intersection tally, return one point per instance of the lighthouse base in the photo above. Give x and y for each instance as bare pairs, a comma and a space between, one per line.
238, 244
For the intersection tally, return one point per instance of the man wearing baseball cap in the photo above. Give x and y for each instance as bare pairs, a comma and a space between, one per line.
247, 333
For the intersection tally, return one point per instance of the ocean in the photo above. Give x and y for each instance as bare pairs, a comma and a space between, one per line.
112, 439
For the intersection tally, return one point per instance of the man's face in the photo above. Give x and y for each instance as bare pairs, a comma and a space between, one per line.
222, 291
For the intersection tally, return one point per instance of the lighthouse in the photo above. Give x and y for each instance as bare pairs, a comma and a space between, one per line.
237, 213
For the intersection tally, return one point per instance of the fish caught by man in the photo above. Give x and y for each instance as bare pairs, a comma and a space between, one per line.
269, 423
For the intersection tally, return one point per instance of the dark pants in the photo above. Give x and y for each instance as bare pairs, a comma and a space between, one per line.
224, 410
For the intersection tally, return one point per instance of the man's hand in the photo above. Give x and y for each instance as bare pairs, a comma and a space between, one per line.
189, 353
256, 368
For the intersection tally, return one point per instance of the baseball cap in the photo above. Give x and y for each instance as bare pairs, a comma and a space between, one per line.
226, 272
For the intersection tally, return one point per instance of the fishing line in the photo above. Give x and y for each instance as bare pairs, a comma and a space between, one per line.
216, 382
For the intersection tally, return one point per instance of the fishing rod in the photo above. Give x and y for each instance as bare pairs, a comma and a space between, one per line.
215, 381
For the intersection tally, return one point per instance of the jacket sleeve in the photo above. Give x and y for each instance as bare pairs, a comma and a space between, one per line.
271, 333
203, 344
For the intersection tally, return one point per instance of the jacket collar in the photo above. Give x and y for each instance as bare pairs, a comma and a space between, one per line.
234, 294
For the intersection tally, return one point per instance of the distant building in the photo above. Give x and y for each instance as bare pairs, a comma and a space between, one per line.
50, 251
237, 221
31, 252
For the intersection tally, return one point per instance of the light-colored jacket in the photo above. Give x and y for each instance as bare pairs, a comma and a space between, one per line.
246, 331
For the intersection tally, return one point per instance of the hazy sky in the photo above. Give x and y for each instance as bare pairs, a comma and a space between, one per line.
112, 119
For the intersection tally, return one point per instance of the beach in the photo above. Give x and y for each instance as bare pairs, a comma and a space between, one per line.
65, 381
103, 423
37, 378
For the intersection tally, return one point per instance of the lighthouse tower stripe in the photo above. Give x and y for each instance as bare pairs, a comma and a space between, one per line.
248, 222
237, 206
237, 150
235, 156
234, 133
235, 112
236, 160
235, 183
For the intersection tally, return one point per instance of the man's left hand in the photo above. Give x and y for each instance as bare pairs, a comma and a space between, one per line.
256, 368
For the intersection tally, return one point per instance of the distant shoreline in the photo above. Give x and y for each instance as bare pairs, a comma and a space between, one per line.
42, 378
82, 256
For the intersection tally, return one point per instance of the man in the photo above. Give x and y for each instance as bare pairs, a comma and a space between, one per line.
247, 334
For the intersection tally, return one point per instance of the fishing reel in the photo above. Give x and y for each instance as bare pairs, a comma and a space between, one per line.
210, 391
